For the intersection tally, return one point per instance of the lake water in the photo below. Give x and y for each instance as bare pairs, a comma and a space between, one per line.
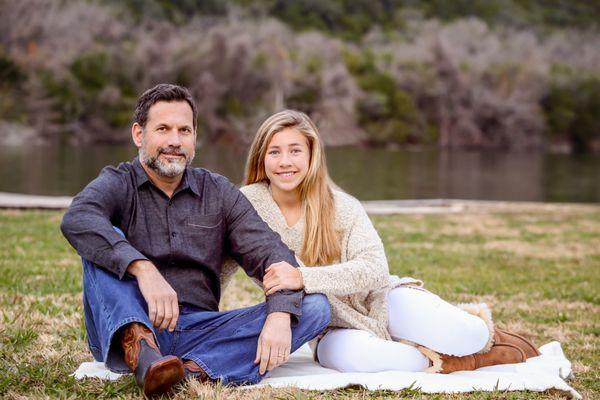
369, 174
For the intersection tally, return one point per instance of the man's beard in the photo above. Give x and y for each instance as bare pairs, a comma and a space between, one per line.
168, 169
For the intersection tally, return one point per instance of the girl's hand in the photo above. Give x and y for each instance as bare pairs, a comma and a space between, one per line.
281, 276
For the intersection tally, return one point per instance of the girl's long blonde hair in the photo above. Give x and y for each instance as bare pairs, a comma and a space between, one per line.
321, 245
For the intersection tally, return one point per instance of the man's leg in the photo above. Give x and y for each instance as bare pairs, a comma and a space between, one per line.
224, 344
109, 305
120, 332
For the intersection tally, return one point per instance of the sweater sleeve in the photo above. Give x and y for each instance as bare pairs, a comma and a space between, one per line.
365, 270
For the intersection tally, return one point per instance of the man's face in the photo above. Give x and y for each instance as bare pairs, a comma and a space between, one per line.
167, 143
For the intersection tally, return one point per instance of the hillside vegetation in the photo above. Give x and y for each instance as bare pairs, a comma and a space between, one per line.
481, 74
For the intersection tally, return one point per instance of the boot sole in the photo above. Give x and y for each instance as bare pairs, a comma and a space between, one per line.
163, 375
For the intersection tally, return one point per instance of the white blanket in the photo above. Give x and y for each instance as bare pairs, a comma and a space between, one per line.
538, 374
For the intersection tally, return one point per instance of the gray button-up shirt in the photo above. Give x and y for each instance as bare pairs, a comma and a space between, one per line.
185, 236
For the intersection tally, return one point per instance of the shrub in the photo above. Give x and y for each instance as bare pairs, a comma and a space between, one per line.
386, 111
11, 79
572, 111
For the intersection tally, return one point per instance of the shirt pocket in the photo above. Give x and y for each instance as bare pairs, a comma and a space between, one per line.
204, 237
204, 221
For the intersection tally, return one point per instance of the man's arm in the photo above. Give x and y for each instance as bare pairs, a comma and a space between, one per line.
256, 247
88, 223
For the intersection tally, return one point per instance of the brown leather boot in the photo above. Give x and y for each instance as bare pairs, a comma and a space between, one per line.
502, 336
155, 373
193, 370
501, 353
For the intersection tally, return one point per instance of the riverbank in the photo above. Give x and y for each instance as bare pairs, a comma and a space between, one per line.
377, 207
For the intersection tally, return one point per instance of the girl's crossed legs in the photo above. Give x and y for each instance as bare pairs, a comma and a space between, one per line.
416, 315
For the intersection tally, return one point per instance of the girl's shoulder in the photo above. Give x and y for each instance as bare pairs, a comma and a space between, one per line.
256, 191
347, 207
345, 200
259, 196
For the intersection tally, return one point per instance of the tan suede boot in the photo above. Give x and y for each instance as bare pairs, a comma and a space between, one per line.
501, 353
502, 336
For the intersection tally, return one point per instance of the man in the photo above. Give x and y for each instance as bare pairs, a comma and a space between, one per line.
152, 234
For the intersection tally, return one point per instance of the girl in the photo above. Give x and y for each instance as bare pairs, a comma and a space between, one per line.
379, 322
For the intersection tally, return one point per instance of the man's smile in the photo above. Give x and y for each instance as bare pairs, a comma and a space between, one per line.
172, 157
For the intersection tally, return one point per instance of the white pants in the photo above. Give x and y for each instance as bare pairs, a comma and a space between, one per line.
415, 315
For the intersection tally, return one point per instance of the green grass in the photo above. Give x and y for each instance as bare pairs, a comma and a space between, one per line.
539, 270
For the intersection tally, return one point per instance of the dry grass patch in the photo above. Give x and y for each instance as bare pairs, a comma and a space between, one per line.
53, 319
477, 224
545, 249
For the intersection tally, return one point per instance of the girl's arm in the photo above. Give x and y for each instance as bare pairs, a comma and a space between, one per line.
365, 270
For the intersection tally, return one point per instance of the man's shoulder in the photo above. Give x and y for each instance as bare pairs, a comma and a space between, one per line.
123, 168
112, 185
212, 180
117, 175
203, 173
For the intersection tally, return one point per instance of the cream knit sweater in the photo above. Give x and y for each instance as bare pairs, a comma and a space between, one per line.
357, 284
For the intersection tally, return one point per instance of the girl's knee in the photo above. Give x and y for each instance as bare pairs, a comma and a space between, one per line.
470, 336
479, 334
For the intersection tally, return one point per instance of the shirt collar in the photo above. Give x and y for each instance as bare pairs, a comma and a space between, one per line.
190, 181
186, 182
140, 173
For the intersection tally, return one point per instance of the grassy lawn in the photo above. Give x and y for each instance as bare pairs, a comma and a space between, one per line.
538, 267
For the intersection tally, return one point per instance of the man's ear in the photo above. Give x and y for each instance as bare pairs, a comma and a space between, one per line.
136, 134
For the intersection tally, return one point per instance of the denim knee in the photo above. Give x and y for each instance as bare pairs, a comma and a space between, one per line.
316, 307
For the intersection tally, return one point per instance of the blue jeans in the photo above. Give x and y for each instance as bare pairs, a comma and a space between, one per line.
222, 343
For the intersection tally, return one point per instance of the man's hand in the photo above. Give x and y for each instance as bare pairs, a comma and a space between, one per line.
281, 276
163, 308
274, 342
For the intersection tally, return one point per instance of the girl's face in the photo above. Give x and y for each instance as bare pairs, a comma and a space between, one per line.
287, 160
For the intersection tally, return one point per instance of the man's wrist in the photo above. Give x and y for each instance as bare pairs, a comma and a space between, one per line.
279, 315
138, 267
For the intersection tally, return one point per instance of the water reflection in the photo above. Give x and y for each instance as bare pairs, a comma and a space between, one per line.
376, 174
369, 174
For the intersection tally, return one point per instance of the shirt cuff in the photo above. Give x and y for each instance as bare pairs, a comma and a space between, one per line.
125, 254
287, 301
